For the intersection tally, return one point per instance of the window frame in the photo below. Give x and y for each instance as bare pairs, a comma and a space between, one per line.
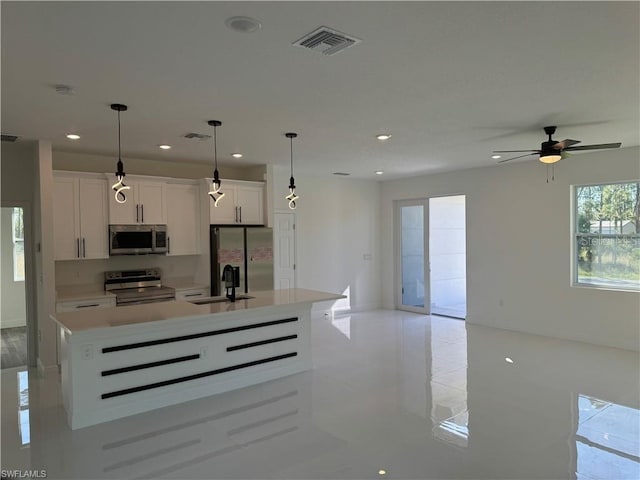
17, 240
574, 233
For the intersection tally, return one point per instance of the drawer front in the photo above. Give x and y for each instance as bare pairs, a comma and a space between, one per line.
191, 294
83, 304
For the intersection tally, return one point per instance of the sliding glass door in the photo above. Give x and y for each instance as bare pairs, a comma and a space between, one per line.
412, 236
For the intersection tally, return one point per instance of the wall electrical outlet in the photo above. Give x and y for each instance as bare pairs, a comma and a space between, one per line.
366, 256
87, 352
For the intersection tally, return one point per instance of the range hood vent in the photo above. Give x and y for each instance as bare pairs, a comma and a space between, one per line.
326, 41
9, 138
197, 136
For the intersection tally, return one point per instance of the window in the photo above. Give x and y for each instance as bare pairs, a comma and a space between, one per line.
17, 227
607, 235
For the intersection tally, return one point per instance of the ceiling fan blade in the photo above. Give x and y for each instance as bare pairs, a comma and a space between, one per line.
514, 151
521, 156
565, 144
601, 146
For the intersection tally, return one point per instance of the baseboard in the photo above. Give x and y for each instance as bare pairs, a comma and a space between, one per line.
13, 322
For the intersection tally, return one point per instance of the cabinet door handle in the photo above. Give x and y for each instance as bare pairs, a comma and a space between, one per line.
84, 250
78, 247
90, 305
168, 244
142, 210
240, 208
193, 295
137, 214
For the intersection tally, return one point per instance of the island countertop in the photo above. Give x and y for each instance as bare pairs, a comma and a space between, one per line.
80, 321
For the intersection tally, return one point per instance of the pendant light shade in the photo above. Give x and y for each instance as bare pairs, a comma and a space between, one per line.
119, 187
292, 197
215, 193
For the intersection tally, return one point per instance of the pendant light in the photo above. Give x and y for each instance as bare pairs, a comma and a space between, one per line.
119, 187
292, 197
215, 192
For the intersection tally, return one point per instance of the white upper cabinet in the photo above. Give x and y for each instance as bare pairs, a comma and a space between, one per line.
146, 204
80, 228
183, 216
242, 204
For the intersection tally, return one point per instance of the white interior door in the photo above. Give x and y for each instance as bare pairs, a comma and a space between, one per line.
412, 256
284, 250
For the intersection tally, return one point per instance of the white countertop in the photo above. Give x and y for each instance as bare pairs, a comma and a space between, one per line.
70, 293
182, 283
79, 321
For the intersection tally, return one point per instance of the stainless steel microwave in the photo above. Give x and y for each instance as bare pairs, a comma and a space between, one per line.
137, 239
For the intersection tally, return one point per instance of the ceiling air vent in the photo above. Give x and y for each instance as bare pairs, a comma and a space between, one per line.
197, 136
326, 41
9, 138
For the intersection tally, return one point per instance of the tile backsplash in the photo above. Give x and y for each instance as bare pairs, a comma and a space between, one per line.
91, 272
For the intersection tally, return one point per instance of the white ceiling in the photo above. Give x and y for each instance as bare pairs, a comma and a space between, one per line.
451, 81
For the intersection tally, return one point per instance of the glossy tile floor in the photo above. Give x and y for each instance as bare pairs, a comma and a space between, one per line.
392, 395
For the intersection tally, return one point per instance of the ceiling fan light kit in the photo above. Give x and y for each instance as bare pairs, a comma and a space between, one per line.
552, 151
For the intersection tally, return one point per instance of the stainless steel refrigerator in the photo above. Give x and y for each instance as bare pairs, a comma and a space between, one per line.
250, 248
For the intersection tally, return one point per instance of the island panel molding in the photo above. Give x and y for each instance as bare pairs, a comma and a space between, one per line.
161, 354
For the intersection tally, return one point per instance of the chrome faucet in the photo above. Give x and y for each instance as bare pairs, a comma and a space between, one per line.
231, 278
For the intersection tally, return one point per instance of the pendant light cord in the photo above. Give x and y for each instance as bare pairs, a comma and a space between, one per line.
215, 146
119, 150
291, 156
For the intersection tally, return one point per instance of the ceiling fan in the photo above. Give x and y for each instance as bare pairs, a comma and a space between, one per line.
552, 151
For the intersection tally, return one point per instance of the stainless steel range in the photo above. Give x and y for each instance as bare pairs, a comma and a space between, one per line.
132, 287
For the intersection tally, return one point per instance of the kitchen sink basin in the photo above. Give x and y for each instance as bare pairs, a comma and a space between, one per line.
209, 300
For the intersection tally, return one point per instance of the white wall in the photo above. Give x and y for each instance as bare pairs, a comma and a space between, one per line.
12, 307
19, 185
519, 247
337, 224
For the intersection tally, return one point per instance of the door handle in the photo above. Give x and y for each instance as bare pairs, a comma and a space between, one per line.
137, 214
84, 250
142, 210
78, 247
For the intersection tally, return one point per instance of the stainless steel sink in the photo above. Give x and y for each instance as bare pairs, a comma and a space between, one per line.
207, 301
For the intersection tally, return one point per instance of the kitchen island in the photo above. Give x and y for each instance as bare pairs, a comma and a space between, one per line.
122, 361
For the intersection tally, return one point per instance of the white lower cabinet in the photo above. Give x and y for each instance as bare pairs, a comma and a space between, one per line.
75, 305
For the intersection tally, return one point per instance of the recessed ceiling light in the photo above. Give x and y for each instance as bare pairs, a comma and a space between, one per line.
236, 155
165, 147
64, 89
508, 360
495, 157
384, 136
379, 172
382, 472
73, 136
243, 24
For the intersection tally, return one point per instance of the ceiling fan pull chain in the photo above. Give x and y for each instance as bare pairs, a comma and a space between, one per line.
553, 173
547, 173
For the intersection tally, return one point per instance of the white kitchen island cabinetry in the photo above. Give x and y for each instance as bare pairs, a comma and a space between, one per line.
243, 203
80, 228
183, 215
122, 361
145, 204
